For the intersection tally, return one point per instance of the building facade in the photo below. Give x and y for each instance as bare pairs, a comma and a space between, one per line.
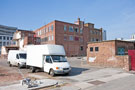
25, 37
113, 53
73, 36
6, 35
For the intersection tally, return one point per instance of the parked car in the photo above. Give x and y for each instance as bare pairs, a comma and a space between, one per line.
17, 58
49, 58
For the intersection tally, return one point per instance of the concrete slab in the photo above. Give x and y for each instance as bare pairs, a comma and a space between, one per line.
37, 76
101, 73
70, 88
114, 77
43, 84
83, 85
125, 83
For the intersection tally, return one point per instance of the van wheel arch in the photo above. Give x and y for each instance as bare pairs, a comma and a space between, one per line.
51, 72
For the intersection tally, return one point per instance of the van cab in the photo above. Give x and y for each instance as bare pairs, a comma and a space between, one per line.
17, 58
56, 64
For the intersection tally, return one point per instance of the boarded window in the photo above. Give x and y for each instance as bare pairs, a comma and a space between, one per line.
96, 49
91, 49
121, 51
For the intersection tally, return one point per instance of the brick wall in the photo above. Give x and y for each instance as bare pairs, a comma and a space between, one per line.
61, 37
107, 56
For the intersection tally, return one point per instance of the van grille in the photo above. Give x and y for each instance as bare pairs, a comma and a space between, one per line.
65, 68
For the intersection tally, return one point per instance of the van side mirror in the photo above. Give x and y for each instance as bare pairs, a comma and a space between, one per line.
17, 56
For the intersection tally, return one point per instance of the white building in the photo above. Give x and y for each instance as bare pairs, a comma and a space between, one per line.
6, 35
132, 39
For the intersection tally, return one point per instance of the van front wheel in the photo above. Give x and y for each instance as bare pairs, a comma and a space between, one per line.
10, 65
52, 73
19, 66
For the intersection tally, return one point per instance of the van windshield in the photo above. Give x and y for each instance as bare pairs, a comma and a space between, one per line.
57, 58
23, 56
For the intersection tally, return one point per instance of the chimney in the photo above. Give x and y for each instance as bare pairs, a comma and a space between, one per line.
78, 19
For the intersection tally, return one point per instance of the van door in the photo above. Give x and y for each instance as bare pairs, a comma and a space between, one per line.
48, 64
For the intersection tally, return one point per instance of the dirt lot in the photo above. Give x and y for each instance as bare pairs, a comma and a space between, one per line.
11, 75
8, 75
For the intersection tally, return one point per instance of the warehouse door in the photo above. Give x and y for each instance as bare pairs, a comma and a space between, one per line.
131, 53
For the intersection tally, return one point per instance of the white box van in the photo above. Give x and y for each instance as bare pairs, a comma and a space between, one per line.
17, 58
50, 58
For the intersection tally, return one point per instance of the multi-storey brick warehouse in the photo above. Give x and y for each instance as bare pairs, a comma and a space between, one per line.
73, 37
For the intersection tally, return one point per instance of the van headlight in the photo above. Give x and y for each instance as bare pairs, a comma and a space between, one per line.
59, 68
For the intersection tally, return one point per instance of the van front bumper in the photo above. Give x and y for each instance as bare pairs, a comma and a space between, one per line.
62, 71
23, 64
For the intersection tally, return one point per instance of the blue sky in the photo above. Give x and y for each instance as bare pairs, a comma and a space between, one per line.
117, 17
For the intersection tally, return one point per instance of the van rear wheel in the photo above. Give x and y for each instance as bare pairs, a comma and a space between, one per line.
52, 73
32, 69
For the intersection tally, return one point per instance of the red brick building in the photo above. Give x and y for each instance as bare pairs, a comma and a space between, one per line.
113, 53
73, 37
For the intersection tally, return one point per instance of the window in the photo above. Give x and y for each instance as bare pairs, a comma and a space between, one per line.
52, 37
4, 43
11, 38
4, 38
71, 29
40, 32
81, 48
58, 58
45, 30
52, 27
76, 38
91, 31
49, 38
65, 28
91, 49
93, 39
97, 40
7, 38
81, 39
23, 56
81, 31
96, 32
0, 44
0, 37
48, 59
65, 37
48, 29
96, 49
7, 43
121, 51
71, 38
76, 29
